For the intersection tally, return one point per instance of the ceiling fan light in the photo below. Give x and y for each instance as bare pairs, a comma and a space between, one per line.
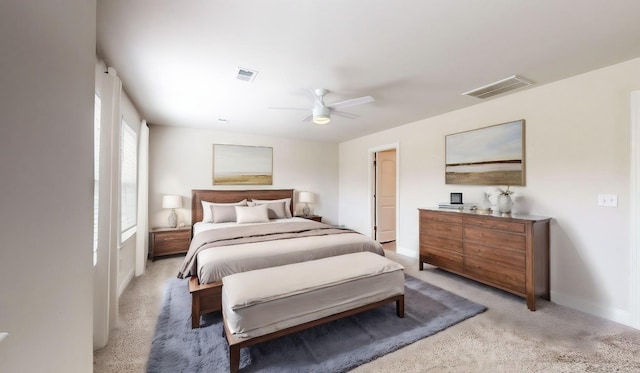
321, 119
321, 115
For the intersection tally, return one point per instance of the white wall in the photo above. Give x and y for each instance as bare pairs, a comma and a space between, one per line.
46, 163
577, 146
180, 159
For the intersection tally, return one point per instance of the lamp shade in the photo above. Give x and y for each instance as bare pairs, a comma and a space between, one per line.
171, 202
306, 197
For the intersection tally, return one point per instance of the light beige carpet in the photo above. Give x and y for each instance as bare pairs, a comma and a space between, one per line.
506, 338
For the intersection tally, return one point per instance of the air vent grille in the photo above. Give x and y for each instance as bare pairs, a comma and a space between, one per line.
245, 75
499, 87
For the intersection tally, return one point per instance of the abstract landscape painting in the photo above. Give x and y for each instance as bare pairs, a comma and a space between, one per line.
487, 156
242, 165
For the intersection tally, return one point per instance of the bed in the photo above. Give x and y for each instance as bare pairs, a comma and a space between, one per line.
229, 246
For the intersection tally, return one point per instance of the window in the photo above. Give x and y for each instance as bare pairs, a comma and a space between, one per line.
128, 181
97, 111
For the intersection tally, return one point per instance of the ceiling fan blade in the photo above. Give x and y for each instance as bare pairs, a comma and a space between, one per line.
343, 114
288, 108
352, 102
307, 117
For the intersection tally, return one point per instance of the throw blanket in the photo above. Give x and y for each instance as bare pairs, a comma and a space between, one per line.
251, 233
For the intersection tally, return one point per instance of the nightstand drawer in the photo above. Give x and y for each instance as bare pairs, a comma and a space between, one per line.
168, 241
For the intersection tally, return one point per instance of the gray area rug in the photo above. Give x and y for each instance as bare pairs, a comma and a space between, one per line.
337, 346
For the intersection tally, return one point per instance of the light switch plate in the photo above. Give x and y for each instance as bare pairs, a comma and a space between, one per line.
608, 200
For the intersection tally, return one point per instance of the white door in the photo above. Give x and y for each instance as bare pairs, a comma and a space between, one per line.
386, 195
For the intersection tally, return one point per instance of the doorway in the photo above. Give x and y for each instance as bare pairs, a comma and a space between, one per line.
384, 195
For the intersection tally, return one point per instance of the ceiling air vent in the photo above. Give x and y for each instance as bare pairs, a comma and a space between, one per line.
245, 75
499, 87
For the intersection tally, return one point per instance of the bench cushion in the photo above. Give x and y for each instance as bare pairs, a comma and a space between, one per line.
266, 300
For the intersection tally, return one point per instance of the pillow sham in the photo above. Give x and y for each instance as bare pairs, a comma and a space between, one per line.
287, 204
255, 214
207, 212
223, 214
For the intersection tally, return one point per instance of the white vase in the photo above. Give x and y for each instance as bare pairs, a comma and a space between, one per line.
504, 203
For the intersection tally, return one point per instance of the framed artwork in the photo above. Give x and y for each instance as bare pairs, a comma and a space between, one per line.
242, 165
493, 155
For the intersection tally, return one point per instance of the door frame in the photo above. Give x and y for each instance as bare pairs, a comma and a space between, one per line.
372, 187
634, 239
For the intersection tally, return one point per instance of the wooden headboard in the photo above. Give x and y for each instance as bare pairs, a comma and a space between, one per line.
226, 196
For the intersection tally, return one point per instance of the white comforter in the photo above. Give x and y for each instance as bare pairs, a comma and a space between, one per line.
216, 262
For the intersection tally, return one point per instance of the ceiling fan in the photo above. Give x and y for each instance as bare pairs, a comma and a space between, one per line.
321, 112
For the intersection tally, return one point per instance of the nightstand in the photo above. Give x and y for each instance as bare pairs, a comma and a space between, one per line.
312, 217
169, 241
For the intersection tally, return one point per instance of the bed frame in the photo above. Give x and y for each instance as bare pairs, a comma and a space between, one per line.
207, 298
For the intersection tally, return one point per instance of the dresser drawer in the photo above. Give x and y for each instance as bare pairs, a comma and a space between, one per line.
442, 259
495, 238
442, 243
435, 228
496, 224
444, 217
492, 273
506, 257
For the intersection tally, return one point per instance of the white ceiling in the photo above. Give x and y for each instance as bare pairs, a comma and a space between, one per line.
177, 59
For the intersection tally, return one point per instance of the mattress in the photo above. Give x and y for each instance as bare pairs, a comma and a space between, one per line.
303, 292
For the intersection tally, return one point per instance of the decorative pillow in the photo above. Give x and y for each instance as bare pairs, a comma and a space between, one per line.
287, 202
256, 214
223, 214
207, 212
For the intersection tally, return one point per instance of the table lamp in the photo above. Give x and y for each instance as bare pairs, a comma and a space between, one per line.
307, 198
172, 202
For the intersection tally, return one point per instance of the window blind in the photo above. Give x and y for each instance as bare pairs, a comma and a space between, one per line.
128, 181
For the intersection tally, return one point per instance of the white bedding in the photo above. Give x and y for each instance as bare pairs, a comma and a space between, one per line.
213, 263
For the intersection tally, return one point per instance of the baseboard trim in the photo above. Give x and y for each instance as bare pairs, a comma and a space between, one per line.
612, 314
125, 281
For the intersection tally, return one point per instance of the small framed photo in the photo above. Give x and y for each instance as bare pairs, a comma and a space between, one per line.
456, 198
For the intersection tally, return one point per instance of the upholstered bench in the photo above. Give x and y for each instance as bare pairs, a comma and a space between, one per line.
268, 303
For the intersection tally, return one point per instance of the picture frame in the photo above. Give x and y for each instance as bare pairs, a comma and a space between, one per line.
493, 155
242, 165
455, 199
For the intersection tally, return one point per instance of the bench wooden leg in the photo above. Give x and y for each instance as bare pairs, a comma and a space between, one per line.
400, 307
234, 359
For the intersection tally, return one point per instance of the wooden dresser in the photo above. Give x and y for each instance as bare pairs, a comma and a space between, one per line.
507, 252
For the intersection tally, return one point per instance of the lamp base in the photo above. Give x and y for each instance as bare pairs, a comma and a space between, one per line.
306, 211
173, 219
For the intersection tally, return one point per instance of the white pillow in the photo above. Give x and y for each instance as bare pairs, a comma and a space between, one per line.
287, 204
248, 214
207, 212
223, 214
